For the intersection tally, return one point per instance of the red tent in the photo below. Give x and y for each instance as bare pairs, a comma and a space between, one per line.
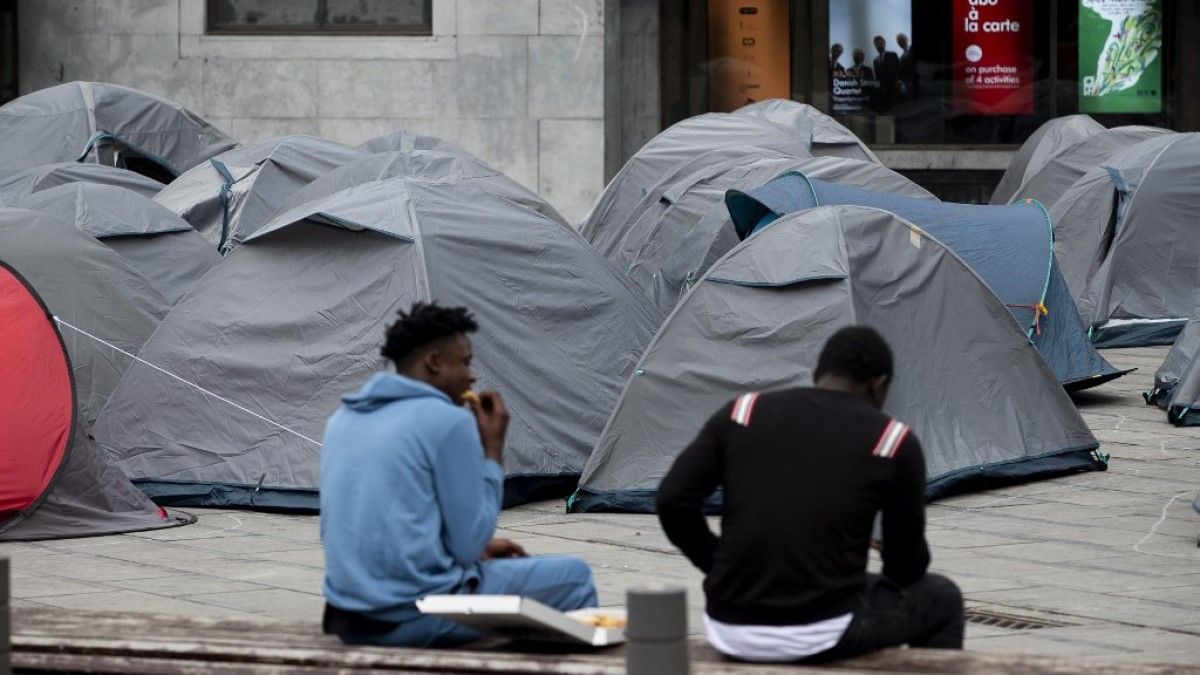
54, 481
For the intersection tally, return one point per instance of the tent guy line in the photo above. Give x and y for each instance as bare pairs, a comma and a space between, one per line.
188, 383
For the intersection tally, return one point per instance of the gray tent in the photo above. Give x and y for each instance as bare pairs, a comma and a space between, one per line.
106, 124
435, 165
18, 185
405, 141
560, 333
1069, 165
1011, 247
157, 243
234, 194
1177, 382
54, 481
1049, 140
736, 135
684, 227
1126, 236
982, 401
827, 137
89, 287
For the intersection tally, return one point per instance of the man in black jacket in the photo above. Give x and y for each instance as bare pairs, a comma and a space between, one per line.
804, 472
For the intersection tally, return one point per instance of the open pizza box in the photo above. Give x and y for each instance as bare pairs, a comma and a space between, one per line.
513, 616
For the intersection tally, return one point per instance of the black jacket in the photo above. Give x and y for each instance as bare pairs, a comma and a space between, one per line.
803, 471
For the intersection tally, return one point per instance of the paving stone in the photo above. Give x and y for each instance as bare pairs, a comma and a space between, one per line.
134, 601
1035, 642
81, 570
1106, 580
276, 602
1073, 602
185, 584
48, 586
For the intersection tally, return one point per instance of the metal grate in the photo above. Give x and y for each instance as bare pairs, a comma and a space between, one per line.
989, 617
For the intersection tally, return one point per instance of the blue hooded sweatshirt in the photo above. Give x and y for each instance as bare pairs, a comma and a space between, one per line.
408, 501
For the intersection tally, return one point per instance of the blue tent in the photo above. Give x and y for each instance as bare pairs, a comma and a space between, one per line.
1010, 247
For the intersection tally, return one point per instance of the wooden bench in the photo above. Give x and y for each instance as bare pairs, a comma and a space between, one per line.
47, 640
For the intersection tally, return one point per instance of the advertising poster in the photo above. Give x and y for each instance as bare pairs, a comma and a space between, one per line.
993, 57
1120, 56
749, 52
871, 64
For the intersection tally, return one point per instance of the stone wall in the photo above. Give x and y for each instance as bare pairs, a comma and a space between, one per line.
518, 82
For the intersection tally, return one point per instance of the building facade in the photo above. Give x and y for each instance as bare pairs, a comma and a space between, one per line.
558, 93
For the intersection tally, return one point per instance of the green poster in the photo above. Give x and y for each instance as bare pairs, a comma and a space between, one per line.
1120, 56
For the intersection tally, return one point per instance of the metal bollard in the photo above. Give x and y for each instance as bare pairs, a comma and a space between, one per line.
5, 620
657, 631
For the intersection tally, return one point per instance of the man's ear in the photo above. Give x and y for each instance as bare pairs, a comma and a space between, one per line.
879, 389
433, 360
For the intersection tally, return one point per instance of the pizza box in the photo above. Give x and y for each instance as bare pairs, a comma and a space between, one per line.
513, 616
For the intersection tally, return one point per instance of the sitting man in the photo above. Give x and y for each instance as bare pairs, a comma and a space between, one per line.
411, 486
804, 471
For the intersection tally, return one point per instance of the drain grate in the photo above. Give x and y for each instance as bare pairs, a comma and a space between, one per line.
990, 617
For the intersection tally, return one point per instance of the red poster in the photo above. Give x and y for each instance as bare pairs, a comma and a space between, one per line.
993, 57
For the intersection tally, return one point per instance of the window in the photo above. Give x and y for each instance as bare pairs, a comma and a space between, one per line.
324, 17
928, 72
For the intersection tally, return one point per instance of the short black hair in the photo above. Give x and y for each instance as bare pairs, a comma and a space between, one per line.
424, 323
857, 352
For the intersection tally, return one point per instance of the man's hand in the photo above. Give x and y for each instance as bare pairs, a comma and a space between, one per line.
503, 548
492, 418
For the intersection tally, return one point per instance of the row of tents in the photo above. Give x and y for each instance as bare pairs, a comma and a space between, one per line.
211, 324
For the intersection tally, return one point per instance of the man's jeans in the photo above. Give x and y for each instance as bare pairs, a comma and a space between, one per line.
928, 613
562, 582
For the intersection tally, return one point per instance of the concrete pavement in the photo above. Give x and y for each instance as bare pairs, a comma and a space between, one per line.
1110, 559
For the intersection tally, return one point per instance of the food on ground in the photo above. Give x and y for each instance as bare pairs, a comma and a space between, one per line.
603, 620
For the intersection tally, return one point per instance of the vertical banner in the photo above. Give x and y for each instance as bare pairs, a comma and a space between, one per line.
871, 64
1120, 56
993, 57
749, 52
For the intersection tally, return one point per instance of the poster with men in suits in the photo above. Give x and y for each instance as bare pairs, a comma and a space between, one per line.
871, 66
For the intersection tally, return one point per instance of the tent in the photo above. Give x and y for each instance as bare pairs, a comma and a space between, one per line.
54, 481
686, 228
735, 135
296, 317
827, 137
1177, 381
15, 186
107, 124
1050, 139
1126, 236
405, 141
438, 165
1010, 247
1068, 165
157, 243
229, 197
986, 408
105, 304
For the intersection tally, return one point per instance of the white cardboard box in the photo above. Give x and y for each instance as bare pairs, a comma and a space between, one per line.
513, 616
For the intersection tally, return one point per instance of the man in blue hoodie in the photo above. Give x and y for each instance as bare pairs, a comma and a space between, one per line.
411, 485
